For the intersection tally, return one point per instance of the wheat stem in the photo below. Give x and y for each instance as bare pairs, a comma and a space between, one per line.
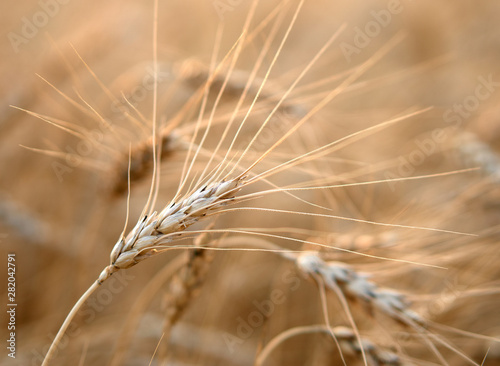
67, 322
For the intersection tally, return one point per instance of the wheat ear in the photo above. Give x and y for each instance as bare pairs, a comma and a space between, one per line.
347, 339
475, 152
152, 232
183, 287
141, 161
347, 282
357, 285
195, 73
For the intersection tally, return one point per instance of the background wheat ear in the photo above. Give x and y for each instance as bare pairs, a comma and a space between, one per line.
217, 311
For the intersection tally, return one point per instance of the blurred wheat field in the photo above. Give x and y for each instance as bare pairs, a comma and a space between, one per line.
378, 246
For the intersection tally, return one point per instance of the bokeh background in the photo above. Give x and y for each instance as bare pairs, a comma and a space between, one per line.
61, 221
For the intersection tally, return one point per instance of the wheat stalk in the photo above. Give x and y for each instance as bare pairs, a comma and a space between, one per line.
151, 233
